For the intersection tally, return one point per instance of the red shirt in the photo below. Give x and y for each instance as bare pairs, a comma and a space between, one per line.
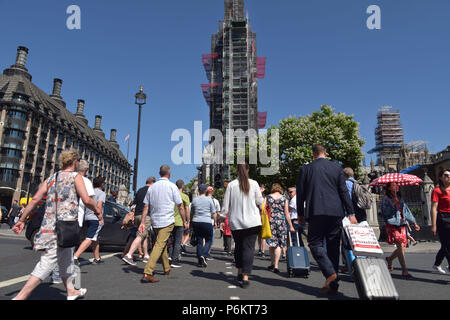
442, 200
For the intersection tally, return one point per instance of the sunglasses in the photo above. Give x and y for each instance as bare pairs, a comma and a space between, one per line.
446, 175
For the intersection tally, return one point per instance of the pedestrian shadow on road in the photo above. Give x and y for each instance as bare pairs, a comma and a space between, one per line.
298, 286
45, 291
417, 279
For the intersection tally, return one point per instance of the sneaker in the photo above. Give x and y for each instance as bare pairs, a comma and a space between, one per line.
76, 262
240, 277
209, 258
128, 260
98, 261
145, 260
260, 253
203, 261
175, 264
170, 259
439, 269
245, 284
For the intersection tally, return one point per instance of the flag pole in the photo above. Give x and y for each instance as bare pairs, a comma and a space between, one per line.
128, 149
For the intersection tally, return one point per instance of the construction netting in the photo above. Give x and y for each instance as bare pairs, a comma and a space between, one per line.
207, 63
262, 119
261, 67
206, 89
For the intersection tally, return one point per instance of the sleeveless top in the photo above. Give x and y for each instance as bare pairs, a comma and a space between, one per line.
67, 208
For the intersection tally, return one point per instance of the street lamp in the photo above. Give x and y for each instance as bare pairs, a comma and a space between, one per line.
141, 98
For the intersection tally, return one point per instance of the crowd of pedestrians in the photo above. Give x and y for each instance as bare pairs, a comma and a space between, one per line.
322, 197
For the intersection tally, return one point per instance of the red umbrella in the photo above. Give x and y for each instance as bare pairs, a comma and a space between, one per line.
401, 179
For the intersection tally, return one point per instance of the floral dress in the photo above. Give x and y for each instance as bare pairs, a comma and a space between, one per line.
67, 208
277, 220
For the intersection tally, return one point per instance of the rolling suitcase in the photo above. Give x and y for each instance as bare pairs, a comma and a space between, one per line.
297, 259
373, 280
347, 253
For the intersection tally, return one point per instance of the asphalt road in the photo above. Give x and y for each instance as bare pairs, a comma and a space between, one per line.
114, 280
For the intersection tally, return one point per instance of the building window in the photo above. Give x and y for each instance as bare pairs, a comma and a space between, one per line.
17, 97
14, 133
8, 175
13, 153
17, 115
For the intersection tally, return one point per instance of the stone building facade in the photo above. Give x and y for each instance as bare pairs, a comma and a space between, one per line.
36, 127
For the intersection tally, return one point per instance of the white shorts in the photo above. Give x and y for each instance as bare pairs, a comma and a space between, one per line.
63, 257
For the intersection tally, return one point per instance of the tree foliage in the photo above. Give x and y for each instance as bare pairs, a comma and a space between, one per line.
338, 132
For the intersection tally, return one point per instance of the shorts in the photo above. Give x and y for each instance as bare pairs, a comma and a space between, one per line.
61, 257
137, 223
93, 230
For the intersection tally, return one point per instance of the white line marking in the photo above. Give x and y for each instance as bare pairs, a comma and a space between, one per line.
235, 298
229, 272
14, 281
11, 282
232, 287
229, 267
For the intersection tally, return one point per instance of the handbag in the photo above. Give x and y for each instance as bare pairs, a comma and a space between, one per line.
193, 239
67, 232
265, 232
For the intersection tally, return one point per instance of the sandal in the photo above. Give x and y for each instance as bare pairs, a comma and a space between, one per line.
390, 266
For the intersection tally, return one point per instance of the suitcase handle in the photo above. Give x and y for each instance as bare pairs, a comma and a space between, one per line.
290, 238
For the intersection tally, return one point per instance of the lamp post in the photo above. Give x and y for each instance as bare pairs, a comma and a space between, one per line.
141, 98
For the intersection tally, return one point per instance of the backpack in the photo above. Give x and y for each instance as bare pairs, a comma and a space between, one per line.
361, 196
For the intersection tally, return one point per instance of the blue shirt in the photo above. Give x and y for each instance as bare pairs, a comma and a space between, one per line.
202, 208
349, 182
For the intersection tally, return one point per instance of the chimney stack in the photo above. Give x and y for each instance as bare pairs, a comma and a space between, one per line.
57, 84
21, 59
113, 135
80, 107
98, 123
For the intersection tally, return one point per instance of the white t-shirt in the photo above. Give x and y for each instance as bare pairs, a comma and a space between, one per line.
217, 206
99, 196
81, 206
293, 207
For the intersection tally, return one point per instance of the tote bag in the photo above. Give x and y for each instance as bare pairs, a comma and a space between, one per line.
265, 225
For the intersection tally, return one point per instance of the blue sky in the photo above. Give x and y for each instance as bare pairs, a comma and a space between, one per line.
318, 52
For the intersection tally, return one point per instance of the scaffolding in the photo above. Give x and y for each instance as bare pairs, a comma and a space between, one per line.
232, 69
388, 135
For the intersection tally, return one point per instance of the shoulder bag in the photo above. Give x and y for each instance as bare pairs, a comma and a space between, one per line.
67, 232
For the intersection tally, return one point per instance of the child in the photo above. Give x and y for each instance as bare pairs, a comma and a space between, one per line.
408, 234
225, 228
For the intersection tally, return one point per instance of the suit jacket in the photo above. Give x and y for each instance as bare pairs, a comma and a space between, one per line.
321, 185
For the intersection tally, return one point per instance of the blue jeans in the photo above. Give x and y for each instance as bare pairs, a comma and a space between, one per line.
203, 231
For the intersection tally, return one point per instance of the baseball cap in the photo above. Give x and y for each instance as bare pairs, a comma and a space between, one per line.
202, 188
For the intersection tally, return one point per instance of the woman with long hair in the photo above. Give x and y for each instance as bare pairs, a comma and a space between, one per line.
242, 200
396, 214
440, 214
62, 190
278, 207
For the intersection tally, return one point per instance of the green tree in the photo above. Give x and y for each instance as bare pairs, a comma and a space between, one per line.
338, 132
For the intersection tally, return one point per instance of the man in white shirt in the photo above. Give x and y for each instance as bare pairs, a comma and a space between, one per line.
161, 199
294, 218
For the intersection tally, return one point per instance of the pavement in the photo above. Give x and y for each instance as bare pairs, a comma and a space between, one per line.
422, 246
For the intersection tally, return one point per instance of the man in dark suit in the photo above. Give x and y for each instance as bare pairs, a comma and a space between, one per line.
321, 185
